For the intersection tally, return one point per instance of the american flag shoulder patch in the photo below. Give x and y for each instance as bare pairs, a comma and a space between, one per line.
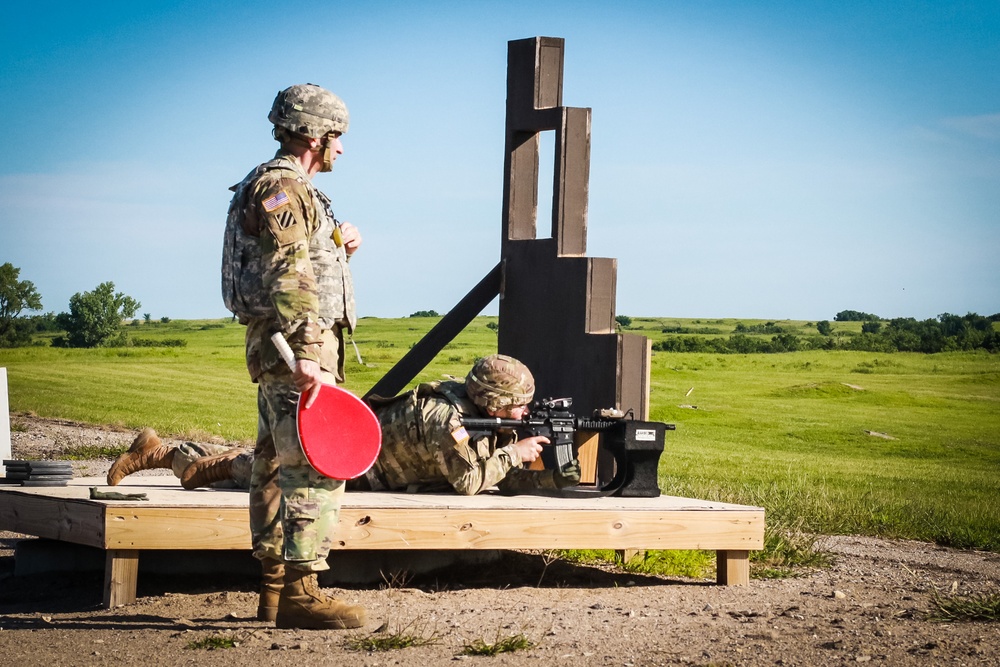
460, 434
275, 201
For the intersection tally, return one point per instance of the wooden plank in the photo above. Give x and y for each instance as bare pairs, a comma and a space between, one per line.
43, 516
491, 501
635, 355
549, 75
588, 444
166, 491
625, 555
520, 187
732, 567
121, 572
534, 83
414, 528
601, 285
178, 528
572, 182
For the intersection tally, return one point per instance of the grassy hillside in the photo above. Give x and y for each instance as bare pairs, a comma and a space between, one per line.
784, 431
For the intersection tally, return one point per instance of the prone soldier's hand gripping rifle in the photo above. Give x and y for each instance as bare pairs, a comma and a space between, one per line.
635, 445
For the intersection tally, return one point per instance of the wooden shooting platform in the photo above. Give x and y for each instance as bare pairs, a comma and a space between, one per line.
174, 518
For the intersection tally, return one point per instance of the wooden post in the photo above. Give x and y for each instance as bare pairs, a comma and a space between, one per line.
121, 572
732, 567
5, 449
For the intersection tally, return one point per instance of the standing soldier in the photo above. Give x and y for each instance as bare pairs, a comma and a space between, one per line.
285, 269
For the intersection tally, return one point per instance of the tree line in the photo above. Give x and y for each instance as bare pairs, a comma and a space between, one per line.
946, 333
96, 319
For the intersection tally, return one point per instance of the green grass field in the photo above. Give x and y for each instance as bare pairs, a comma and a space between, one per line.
783, 431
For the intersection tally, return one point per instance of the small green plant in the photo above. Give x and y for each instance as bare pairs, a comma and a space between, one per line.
213, 643
509, 644
692, 563
975, 607
412, 634
786, 547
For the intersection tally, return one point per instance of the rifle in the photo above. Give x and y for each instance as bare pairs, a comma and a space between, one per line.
635, 445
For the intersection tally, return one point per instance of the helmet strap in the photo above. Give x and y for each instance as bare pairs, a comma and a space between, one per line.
326, 154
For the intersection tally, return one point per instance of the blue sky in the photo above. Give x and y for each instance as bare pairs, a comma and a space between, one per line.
772, 159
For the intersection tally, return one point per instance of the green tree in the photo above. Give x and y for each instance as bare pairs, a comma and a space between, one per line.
824, 327
871, 327
95, 318
624, 321
15, 296
855, 316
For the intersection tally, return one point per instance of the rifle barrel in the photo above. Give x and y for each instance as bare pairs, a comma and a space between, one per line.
491, 422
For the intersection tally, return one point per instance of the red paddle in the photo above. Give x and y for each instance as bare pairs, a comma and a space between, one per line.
339, 433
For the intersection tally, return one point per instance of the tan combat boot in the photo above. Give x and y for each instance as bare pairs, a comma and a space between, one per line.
146, 453
209, 469
302, 605
271, 583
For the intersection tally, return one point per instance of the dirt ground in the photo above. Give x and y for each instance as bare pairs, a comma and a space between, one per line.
871, 606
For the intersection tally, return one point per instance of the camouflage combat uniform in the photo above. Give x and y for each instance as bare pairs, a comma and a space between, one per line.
289, 238
240, 470
426, 448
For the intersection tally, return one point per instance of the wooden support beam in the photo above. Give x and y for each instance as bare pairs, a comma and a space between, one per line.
732, 567
625, 555
443, 333
121, 572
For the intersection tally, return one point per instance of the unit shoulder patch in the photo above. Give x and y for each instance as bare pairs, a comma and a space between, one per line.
282, 204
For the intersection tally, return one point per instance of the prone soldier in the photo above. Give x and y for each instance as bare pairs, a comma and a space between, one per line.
425, 445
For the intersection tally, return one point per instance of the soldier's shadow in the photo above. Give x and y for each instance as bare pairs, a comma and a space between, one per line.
72, 592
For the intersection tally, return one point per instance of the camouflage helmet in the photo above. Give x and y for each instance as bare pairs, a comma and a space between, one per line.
498, 381
310, 110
